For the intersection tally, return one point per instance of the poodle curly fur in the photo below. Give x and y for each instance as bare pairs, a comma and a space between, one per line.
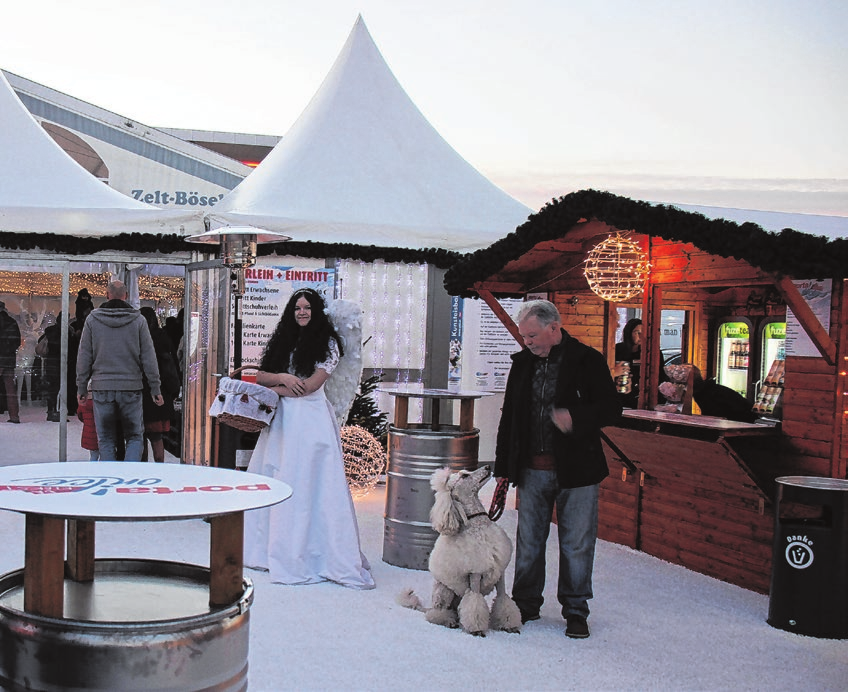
468, 560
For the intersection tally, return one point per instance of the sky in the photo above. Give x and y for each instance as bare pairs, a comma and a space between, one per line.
739, 103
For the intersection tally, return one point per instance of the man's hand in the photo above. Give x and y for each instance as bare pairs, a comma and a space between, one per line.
499, 499
158, 400
562, 419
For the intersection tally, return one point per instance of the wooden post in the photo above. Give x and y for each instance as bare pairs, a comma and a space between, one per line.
435, 414
838, 453
610, 325
80, 550
226, 559
44, 566
401, 411
466, 415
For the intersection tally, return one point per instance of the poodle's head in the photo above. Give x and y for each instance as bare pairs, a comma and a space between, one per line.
456, 497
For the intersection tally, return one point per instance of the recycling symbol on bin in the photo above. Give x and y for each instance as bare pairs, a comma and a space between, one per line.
799, 554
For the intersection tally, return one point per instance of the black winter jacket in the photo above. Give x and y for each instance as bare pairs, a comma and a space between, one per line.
585, 387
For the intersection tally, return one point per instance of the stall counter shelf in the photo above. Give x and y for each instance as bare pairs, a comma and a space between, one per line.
693, 490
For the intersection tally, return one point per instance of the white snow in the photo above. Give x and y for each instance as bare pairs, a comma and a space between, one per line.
654, 625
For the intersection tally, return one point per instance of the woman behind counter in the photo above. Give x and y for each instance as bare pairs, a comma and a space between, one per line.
630, 351
313, 536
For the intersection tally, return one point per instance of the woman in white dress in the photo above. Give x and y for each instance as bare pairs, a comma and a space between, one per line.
313, 536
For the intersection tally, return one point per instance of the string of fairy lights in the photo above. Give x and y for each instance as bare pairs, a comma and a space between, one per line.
393, 297
617, 268
28, 283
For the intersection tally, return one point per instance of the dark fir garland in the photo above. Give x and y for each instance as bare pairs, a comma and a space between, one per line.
170, 243
789, 252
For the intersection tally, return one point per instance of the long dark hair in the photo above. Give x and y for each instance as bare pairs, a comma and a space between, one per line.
310, 344
627, 334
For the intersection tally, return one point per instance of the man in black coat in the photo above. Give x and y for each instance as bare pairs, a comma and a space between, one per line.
559, 395
10, 342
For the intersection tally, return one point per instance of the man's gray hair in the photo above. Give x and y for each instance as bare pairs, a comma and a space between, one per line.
116, 290
543, 310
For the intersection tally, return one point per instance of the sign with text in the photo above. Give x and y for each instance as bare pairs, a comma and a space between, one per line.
486, 345
267, 290
817, 294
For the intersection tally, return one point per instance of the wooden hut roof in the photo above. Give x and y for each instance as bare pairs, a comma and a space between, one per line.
555, 240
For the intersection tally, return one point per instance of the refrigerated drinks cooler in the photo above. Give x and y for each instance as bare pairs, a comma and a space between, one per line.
734, 356
772, 367
773, 347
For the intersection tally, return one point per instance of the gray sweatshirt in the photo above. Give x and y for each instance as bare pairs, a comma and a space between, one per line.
116, 350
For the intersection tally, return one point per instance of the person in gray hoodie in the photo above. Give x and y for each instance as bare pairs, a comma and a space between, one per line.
116, 353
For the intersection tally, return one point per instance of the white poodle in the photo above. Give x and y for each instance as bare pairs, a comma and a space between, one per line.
468, 559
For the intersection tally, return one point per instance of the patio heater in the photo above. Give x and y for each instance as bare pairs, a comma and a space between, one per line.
238, 252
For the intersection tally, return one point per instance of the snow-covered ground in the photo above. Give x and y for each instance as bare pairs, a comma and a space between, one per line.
654, 625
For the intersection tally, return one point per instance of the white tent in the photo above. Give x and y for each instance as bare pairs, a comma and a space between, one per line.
814, 224
362, 165
43, 190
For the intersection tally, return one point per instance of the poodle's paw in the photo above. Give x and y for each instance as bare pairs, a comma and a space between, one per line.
505, 615
408, 599
443, 617
477, 634
474, 613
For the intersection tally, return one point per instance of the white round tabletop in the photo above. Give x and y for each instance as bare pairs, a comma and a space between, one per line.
134, 491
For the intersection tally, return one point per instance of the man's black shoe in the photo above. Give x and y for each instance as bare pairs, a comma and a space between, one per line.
577, 628
527, 617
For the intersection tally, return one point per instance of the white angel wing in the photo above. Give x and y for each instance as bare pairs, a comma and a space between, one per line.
343, 384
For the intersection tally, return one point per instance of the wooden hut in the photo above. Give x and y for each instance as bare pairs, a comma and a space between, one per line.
693, 490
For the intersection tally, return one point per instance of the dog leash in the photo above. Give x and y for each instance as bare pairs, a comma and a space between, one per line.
499, 499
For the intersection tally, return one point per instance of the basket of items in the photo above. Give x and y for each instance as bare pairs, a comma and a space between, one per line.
244, 405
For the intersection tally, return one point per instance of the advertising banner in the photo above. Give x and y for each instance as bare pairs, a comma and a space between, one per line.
267, 290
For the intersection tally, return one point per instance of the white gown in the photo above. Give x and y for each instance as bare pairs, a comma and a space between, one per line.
313, 536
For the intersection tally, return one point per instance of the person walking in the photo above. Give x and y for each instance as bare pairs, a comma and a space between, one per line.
49, 348
116, 353
313, 536
559, 394
10, 342
157, 419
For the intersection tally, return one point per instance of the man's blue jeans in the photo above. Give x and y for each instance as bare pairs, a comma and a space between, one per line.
577, 525
111, 407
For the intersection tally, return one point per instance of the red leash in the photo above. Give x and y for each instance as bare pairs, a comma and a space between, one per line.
499, 499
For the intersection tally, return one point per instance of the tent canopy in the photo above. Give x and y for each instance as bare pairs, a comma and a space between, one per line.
363, 165
43, 190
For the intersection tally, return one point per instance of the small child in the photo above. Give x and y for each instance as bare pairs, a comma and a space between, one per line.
88, 439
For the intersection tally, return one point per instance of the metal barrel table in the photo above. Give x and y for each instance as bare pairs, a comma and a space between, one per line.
416, 450
70, 622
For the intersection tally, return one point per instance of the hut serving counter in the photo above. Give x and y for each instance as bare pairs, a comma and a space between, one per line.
692, 490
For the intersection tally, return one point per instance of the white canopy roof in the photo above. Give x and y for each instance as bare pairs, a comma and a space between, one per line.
43, 190
814, 224
362, 165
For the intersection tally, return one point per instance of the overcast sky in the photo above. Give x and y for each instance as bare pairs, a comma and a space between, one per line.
729, 102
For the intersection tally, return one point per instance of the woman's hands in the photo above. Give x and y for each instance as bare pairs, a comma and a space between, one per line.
290, 385
286, 384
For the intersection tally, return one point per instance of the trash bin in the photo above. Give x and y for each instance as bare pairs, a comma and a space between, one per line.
809, 578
